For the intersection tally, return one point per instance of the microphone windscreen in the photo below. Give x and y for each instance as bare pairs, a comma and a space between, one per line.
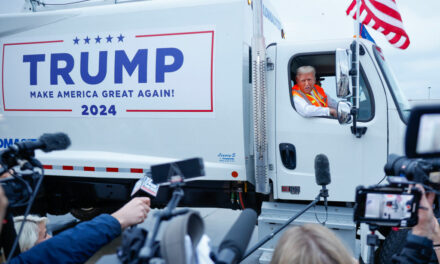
57, 141
238, 237
322, 170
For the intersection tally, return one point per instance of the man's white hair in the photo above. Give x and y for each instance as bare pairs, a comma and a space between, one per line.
29, 235
305, 69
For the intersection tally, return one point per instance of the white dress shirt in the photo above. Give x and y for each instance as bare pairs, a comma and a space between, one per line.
307, 110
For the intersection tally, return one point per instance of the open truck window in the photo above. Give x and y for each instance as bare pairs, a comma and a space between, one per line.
324, 64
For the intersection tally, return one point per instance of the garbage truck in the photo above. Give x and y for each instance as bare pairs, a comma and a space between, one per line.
139, 83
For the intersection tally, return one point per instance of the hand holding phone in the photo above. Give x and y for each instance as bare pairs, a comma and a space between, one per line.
427, 225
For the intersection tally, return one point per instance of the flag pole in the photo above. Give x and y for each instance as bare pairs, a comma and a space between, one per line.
358, 7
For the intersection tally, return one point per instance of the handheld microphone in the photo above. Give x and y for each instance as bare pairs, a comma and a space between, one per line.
233, 246
322, 175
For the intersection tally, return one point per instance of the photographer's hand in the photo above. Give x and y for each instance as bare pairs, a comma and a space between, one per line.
427, 225
133, 212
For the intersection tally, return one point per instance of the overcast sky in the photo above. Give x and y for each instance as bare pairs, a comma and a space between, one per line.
415, 68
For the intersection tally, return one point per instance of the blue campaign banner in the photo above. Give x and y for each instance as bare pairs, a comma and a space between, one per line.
109, 74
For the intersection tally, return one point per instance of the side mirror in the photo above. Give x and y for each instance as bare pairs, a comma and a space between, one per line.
343, 80
344, 112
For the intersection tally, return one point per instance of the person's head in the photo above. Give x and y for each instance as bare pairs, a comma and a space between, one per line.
305, 78
34, 231
312, 244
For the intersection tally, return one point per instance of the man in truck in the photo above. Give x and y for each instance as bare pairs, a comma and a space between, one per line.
309, 98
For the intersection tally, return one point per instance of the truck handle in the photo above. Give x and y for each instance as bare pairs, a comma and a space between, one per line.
288, 155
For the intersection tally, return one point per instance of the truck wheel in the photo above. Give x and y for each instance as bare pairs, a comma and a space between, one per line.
393, 244
85, 214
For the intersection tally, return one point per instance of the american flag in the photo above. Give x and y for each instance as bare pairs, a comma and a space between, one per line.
383, 16
363, 33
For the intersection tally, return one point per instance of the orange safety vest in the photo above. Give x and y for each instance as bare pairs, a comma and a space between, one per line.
319, 98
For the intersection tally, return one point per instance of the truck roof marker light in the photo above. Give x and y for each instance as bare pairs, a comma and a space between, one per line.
249, 2
234, 174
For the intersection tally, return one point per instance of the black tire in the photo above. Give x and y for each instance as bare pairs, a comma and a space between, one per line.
393, 244
85, 214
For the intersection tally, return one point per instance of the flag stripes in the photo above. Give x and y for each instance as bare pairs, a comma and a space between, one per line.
383, 16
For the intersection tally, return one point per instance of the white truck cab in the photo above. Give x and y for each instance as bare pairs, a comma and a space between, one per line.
297, 140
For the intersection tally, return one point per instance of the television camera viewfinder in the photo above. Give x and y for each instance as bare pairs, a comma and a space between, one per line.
423, 132
385, 207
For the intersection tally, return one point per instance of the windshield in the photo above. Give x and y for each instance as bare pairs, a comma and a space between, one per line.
398, 96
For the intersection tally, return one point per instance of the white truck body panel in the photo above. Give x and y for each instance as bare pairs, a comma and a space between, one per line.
204, 116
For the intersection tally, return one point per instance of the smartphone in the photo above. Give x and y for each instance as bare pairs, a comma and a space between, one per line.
385, 206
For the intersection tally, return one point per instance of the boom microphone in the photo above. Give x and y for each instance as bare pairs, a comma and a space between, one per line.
322, 170
47, 143
322, 177
234, 244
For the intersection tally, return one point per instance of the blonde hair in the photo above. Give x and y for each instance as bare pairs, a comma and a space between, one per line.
29, 235
311, 244
305, 69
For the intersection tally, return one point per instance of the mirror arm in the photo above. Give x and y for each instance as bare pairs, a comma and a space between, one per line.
357, 130
352, 72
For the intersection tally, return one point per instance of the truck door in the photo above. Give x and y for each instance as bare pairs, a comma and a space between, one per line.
353, 161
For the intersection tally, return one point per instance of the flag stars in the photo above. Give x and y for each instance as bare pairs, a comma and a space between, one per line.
121, 38
98, 39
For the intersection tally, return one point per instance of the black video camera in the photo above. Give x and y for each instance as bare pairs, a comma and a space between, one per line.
396, 204
23, 182
422, 147
20, 158
19, 188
